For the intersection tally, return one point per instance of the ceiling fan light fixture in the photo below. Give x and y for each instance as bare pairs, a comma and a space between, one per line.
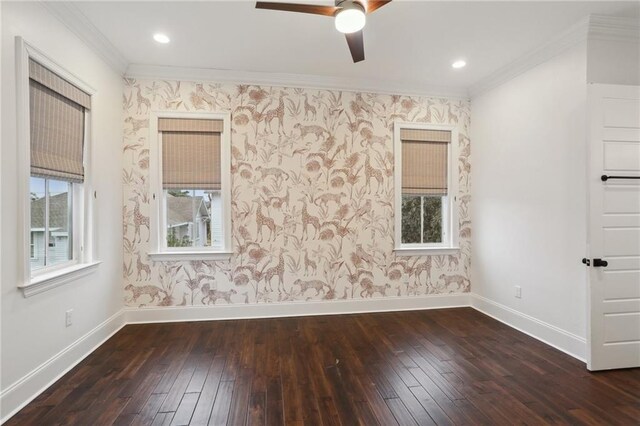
350, 18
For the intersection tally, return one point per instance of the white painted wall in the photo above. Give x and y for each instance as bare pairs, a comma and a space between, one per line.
613, 62
33, 330
529, 193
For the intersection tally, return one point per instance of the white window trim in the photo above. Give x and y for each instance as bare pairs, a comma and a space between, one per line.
54, 278
83, 232
33, 255
159, 251
451, 221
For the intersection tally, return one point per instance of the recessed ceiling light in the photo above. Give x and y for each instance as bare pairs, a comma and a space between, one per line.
161, 38
459, 64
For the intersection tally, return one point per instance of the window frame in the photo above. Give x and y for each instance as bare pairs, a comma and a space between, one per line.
450, 219
82, 262
159, 250
32, 247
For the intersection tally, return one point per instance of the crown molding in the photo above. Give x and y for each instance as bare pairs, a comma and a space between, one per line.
139, 71
593, 27
69, 14
614, 28
559, 43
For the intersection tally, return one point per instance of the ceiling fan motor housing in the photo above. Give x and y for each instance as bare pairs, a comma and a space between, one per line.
351, 4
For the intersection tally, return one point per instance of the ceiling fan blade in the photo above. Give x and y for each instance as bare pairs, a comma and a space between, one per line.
356, 45
373, 5
301, 8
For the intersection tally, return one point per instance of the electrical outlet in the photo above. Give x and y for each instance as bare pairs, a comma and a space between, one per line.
519, 292
68, 317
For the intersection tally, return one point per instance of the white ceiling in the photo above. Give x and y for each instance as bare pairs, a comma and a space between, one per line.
406, 41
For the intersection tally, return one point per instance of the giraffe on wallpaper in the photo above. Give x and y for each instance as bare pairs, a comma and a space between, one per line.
277, 112
308, 219
310, 266
142, 101
276, 271
372, 173
262, 220
330, 169
309, 110
249, 148
142, 267
139, 220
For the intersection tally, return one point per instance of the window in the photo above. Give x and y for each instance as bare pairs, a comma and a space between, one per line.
191, 163
54, 109
51, 222
426, 184
190, 218
422, 217
57, 136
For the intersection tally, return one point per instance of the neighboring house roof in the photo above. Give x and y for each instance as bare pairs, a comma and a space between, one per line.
179, 209
58, 219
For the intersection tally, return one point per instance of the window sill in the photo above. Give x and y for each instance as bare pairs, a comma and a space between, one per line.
53, 279
190, 255
425, 251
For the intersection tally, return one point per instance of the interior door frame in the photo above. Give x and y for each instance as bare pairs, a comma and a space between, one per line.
596, 93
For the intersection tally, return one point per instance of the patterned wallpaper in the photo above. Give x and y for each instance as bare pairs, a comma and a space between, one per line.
312, 197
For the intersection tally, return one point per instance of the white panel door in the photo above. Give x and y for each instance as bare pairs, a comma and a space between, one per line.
614, 227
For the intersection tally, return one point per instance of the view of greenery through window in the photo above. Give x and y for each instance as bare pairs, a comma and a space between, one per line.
412, 220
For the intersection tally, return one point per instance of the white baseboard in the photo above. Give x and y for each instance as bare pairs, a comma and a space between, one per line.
556, 337
293, 309
22, 392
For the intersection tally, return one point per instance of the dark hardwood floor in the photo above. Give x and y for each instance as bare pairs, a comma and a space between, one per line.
449, 366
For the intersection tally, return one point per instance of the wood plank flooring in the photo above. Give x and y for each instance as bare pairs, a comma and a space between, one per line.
449, 366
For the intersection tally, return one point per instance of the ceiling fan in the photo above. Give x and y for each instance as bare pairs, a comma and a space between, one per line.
349, 15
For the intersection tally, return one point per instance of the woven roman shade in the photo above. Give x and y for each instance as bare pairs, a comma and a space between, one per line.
190, 125
424, 161
56, 114
59, 85
190, 153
